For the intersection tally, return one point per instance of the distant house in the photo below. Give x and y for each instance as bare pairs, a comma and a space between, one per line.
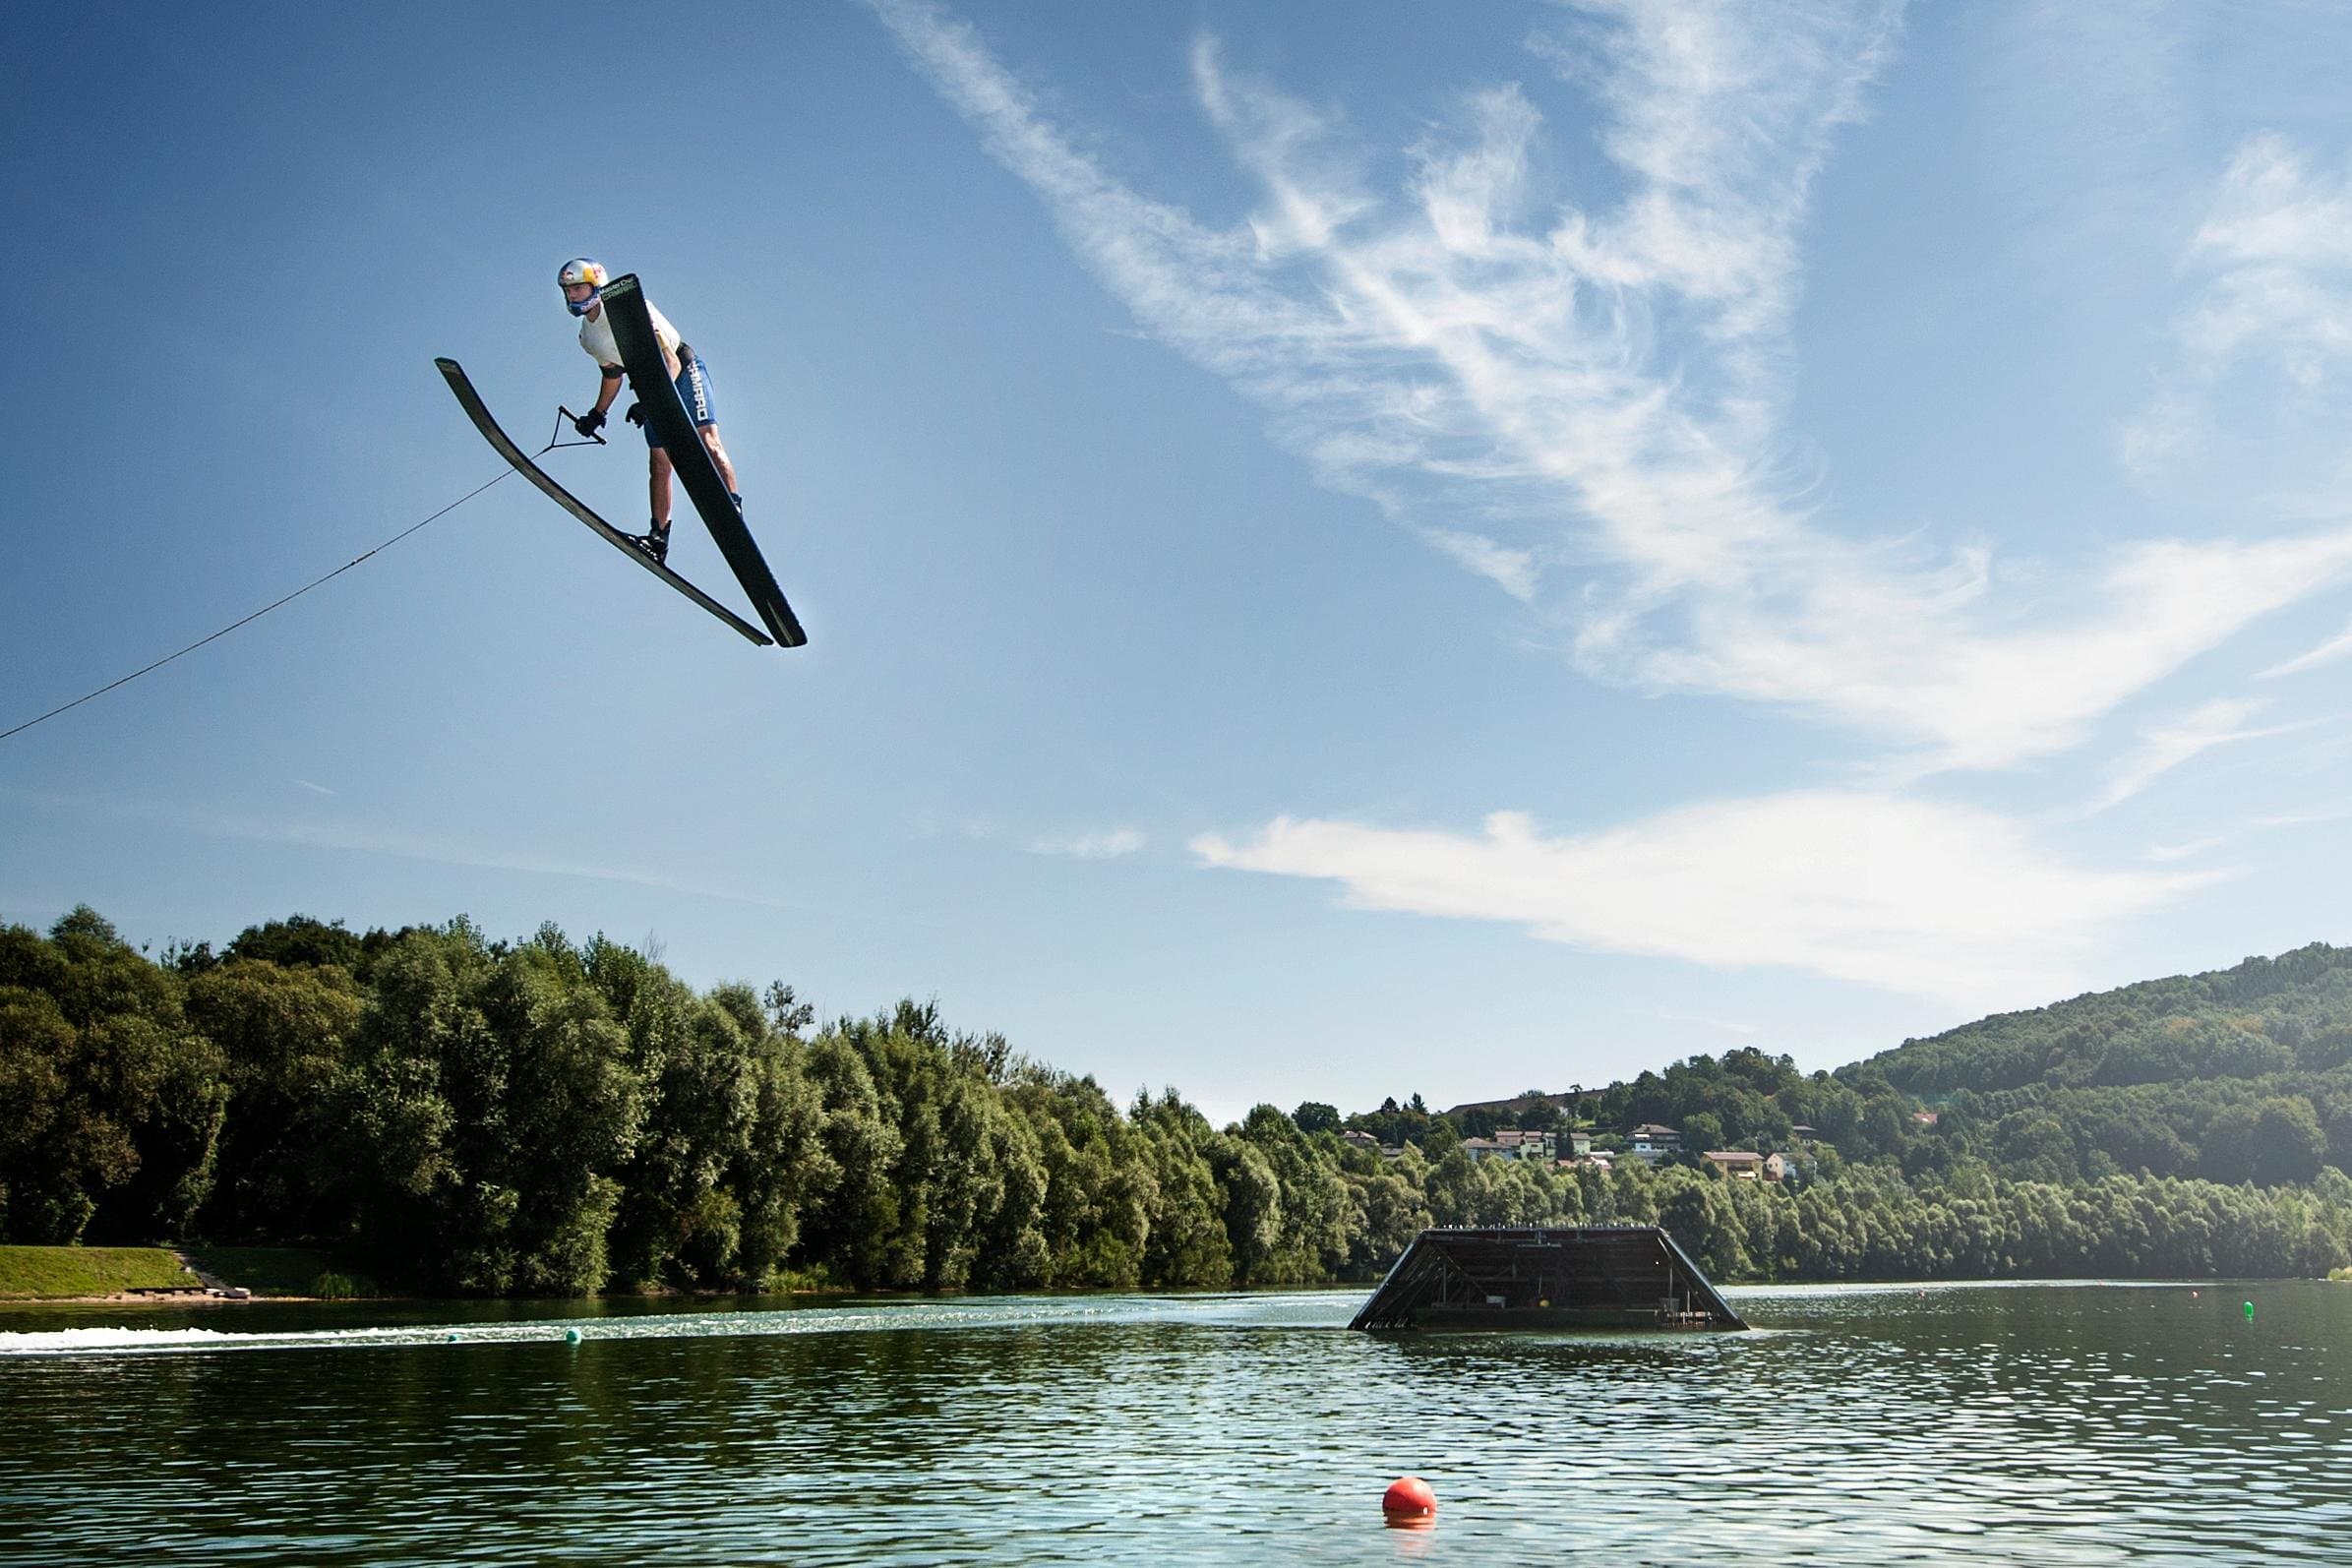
1580, 1143
1361, 1138
1925, 1118
1778, 1168
1651, 1142
1741, 1165
1803, 1135
1511, 1143
1530, 1144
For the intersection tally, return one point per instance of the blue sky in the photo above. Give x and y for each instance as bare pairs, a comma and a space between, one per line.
1350, 549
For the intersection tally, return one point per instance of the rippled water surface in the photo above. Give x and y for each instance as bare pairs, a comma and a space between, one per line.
2022, 1424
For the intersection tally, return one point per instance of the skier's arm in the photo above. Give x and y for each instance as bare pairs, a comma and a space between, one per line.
672, 348
592, 421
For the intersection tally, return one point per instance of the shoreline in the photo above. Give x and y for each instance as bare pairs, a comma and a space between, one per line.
161, 1298
217, 1296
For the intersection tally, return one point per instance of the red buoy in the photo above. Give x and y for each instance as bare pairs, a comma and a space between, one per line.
1409, 1501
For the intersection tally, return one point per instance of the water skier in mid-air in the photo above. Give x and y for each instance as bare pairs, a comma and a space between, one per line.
580, 279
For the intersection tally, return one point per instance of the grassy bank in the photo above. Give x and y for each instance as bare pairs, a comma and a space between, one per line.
38, 1272
279, 1270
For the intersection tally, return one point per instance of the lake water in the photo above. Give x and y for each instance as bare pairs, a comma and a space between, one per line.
2042, 1424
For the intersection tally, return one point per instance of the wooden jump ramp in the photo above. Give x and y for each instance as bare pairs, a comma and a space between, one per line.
1591, 1275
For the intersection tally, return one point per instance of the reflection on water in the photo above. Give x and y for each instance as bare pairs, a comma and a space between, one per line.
2042, 1424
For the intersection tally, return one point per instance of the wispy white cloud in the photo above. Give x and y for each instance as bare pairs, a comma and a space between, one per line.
1901, 664
1097, 844
1110, 844
1515, 572
2279, 238
2165, 747
1598, 387
443, 849
2166, 854
315, 789
2302, 818
2168, 431
2334, 648
2270, 821
1944, 901
2274, 257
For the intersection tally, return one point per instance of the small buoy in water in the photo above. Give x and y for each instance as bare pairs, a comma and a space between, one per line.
453, 1339
1409, 1503
572, 1335
2250, 1311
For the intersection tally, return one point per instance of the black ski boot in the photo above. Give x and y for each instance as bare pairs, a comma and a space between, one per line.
654, 541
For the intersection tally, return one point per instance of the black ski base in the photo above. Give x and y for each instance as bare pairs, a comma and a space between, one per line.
640, 355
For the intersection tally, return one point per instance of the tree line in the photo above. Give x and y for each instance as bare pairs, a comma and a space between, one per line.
458, 1114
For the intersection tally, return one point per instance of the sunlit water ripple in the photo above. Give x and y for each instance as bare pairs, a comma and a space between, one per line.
2037, 1423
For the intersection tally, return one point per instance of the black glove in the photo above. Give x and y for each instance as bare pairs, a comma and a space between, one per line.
635, 414
590, 423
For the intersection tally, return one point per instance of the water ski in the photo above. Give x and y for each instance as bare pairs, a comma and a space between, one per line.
624, 302
471, 402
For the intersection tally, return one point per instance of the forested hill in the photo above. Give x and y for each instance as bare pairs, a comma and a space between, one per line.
2239, 1076
2242, 1074
2288, 1014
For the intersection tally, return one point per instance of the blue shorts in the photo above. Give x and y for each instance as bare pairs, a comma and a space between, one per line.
693, 391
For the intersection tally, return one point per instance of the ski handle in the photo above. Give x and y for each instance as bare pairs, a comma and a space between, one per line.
557, 443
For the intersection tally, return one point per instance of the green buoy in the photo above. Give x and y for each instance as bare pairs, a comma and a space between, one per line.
571, 1335
2250, 1311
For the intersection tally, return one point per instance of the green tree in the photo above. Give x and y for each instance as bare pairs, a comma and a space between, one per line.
133, 1097
1251, 1201
1313, 1116
285, 1036
1187, 1243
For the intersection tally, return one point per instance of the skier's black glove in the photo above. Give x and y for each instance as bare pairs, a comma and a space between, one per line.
590, 423
635, 414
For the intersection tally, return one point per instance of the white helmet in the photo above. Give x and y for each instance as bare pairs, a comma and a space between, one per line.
582, 270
